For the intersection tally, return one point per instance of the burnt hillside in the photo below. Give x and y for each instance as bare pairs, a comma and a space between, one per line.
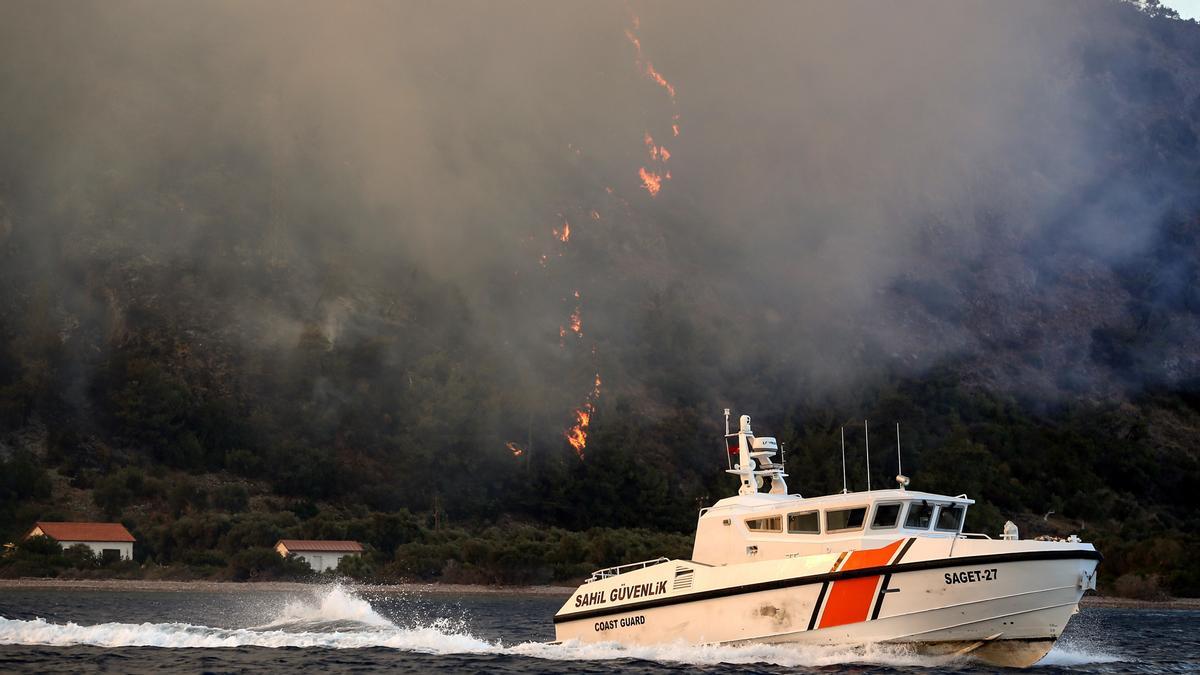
316, 264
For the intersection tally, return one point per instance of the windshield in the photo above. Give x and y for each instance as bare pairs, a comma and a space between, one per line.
886, 515
804, 523
950, 518
845, 519
919, 516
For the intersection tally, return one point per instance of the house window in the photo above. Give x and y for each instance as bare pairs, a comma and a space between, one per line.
886, 515
845, 519
110, 554
768, 524
919, 516
950, 518
807, 522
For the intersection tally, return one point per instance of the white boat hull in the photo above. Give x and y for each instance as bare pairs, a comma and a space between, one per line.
1001, 605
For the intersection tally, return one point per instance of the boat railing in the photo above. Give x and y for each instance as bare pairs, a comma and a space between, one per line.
622, 569
973, 535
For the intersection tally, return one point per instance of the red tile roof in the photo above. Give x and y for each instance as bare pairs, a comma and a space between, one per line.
85, 531
315, 545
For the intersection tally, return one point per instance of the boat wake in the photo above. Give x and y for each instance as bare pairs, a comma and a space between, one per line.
339, 619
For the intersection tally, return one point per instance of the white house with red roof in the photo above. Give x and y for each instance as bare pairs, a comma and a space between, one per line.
321, 555
109, 541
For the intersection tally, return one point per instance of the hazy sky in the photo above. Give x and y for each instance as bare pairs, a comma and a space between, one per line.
907, 180
1188, 9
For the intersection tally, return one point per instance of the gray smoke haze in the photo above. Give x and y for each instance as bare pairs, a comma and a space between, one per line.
855, 185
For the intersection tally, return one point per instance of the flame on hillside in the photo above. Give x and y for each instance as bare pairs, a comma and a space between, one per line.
660, 80
652, 178
576, 321
651, 181
515, 449
577, 435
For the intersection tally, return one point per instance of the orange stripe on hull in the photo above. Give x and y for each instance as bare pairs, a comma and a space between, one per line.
850, 599
872, 557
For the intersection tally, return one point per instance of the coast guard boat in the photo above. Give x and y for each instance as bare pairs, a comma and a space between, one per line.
884, 566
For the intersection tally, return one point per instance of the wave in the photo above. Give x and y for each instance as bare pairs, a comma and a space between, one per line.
789, 656
337, 606
1075, 655
341, 620
338, 619
41, 632
431, 639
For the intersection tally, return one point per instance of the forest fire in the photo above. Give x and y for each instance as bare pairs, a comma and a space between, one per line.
660, 80
515, 449
578, 433
652, 178
576, 321
651, 181
656, 152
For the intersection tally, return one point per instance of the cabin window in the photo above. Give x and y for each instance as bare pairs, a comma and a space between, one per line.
950, 518
886, 515
845, 519
808, 522
768, 524
919, 516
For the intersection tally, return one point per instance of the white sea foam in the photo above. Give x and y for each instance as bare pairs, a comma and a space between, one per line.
434, 639
339, 619
428, 639
335, 619
783, 655
337, 604
1077, 655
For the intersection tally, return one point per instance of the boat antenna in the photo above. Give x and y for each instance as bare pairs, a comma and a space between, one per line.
900, 477
867, 436
728, 461
844, 490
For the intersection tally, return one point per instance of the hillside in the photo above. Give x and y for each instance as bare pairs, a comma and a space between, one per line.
308, 274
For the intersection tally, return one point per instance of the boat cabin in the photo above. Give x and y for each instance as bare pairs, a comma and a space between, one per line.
757, 525
765, 526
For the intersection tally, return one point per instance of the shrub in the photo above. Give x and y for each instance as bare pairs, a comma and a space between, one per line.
231, 497
34, 557
1140, 587
356, 567
265, 563
81, 557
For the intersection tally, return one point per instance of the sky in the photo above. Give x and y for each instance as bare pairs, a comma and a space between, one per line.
1188, 9
842, 153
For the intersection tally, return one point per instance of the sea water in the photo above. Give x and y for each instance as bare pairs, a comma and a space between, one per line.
336, 628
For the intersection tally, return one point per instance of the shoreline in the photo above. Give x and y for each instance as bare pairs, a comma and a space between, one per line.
161, 586
1131, 603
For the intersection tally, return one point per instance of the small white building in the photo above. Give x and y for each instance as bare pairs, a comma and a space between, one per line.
321, 556
109, 541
